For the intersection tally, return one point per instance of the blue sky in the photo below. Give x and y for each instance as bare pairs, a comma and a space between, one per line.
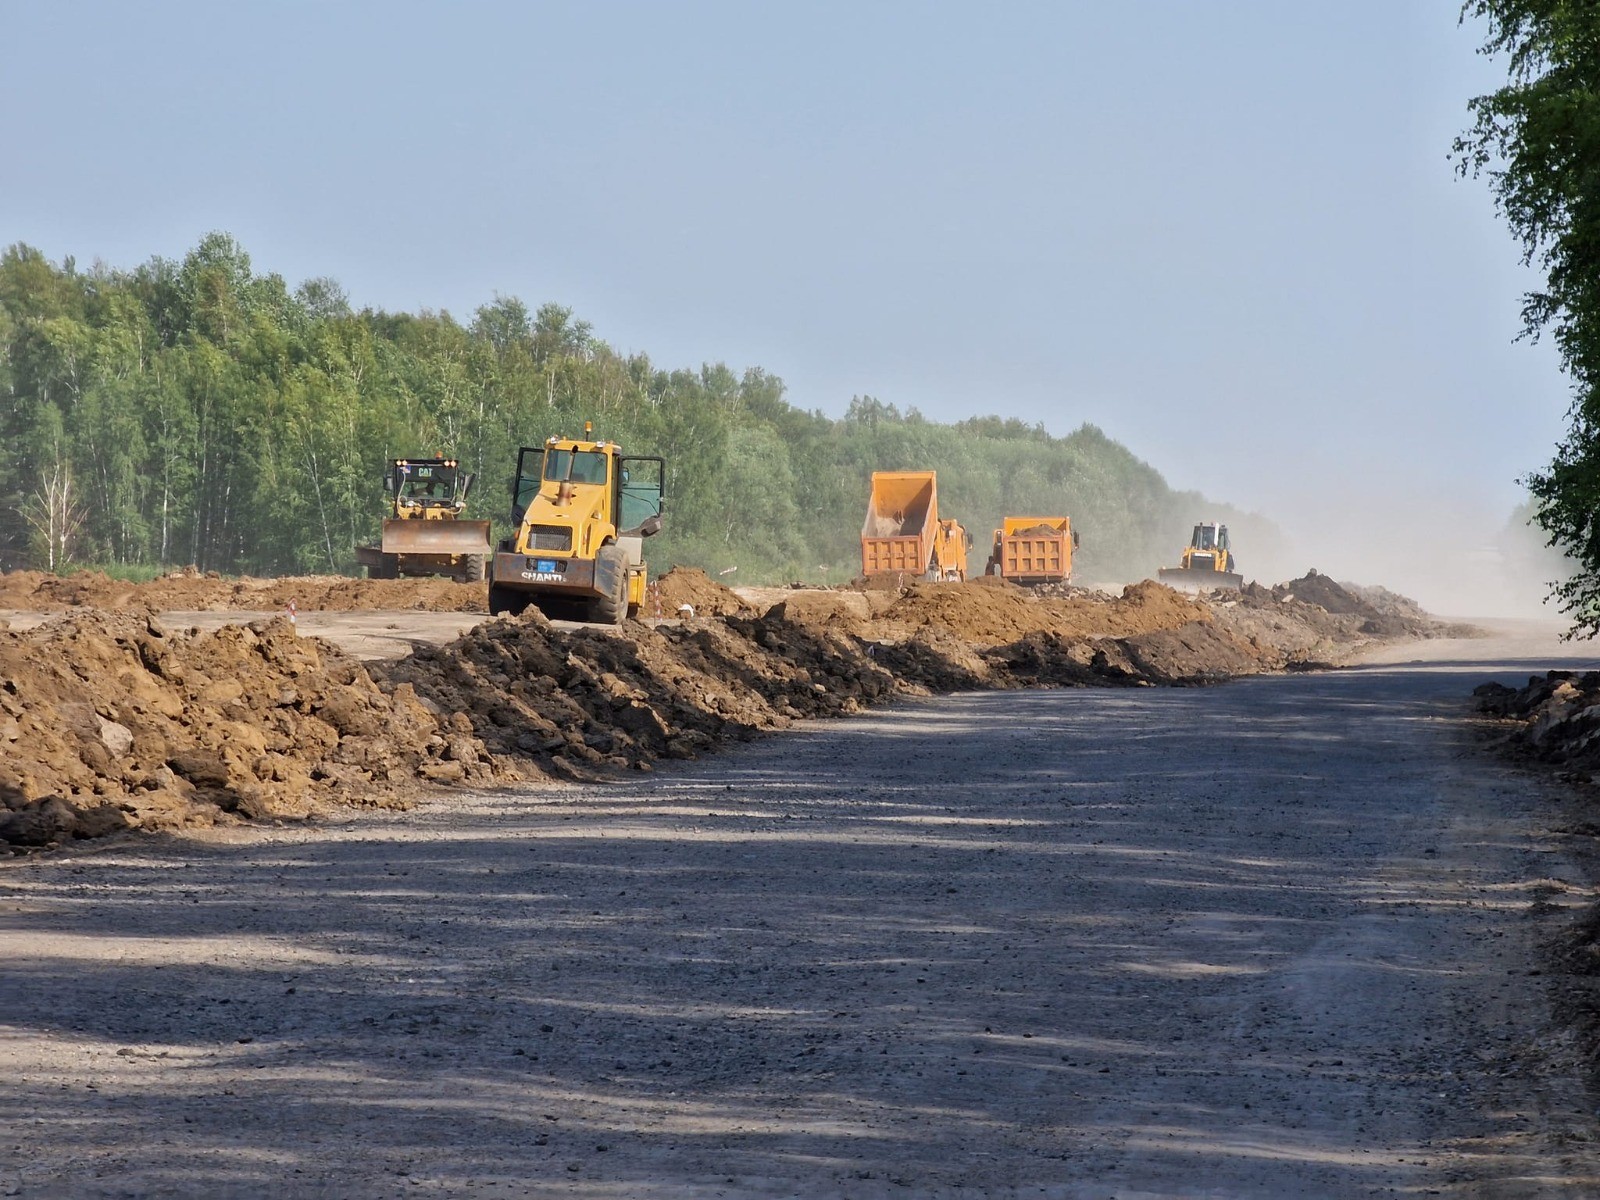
1227, 233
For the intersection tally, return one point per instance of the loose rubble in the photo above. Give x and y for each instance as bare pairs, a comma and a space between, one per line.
110, 720
1554, 718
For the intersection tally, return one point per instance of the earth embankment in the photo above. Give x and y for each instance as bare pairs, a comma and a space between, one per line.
113, 719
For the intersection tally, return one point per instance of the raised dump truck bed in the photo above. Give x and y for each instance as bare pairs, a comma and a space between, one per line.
904, 534
902, 517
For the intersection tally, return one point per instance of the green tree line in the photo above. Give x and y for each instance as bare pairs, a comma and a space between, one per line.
197, 412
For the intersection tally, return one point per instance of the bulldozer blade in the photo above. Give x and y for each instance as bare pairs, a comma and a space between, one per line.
1200, 581
435, 537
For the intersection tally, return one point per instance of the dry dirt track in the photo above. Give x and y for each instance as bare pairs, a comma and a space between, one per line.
1272, 939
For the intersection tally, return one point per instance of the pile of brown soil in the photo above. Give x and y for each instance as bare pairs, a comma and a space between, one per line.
110, 720
991, 616
692, 586
1324, 593
843, 610
1340, 618
545, 700
190, 591
1387, 603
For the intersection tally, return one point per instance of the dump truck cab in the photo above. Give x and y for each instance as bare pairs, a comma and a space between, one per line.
581, 510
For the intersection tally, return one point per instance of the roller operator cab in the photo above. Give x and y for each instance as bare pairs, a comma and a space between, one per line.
581, 510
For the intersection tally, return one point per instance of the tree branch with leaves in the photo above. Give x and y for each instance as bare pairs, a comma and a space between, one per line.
1538, 142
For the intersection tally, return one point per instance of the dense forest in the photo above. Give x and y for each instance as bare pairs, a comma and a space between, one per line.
196, 412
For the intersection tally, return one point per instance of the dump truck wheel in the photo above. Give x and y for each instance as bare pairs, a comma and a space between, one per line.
611, 578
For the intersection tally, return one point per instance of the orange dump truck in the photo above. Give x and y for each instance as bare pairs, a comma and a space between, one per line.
1032, 550
903, 533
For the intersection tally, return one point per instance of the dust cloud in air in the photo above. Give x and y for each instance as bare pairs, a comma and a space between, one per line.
1454, 555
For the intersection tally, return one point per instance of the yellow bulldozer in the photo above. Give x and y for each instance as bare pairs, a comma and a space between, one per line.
581, 509
425, 533
1208, 562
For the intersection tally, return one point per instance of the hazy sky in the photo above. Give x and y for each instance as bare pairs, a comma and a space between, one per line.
1226, 232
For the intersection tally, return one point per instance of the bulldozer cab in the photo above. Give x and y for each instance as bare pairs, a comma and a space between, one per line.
1209, 538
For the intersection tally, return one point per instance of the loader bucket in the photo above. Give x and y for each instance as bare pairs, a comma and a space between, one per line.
1187, 580
435, 537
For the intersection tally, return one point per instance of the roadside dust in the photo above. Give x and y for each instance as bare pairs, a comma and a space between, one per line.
110, 720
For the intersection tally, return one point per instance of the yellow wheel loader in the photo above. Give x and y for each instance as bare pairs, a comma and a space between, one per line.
1208, 562
581, 509
424, 533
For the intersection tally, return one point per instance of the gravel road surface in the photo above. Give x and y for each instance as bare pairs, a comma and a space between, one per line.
1277, 938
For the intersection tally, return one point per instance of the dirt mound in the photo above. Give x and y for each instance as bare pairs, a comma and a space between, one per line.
693, 587
971, 611
540, 698
111, 720
1316, 611
845, 610
1198, 652
994, 616
1387, 603
189, 591
1324, 593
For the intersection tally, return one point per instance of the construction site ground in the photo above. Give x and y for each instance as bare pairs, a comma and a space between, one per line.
1293, 934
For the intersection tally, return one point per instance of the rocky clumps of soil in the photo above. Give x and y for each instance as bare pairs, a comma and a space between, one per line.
1315, 619
1554, 718
989, 615
110, 720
